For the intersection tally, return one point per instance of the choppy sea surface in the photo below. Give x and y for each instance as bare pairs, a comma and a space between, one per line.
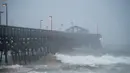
78, 61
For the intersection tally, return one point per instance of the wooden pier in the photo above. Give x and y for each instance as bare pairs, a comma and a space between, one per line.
20, 45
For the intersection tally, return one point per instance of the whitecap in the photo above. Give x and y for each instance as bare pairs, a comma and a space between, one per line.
92, 60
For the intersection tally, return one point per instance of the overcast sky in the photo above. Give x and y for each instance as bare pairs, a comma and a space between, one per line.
112, 16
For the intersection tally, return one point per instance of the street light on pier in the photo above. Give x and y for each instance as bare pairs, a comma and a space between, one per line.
51, 21
72, 23
0, 16
6, 5
61, 26
41, 24
97, 28
46, 27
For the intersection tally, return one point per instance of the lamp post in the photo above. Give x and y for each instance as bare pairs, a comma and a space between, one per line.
5, 5
97, 28
61, 26
46, 27
72, 23
0, 16
51, 21
41, 24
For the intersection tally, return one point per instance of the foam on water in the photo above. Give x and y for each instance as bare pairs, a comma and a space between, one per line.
92, 60
36, 72
12, 66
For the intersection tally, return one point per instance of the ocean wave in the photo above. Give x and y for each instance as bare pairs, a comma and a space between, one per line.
14, 69
36, 72
11, 66
91, 60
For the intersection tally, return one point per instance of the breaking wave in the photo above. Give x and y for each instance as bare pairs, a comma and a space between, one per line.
92, 60
14, 69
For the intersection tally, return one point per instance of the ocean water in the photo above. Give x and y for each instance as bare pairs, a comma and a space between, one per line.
76, 62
